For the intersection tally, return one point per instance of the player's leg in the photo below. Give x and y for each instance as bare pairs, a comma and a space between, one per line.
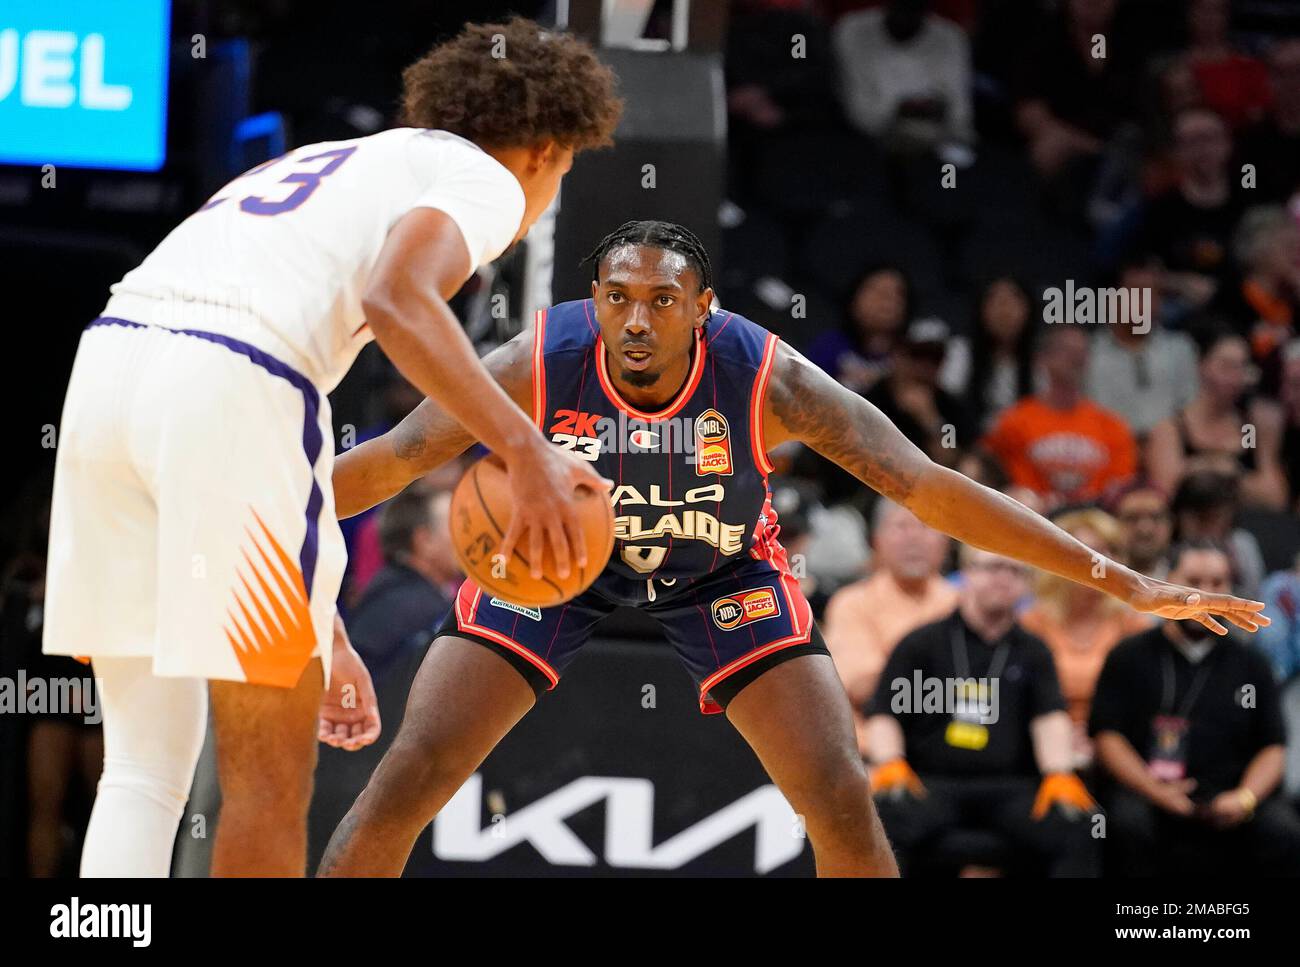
796, 718
746, 635
249, 563
266, 757
464, 700
485, 669
153, 734
102, 598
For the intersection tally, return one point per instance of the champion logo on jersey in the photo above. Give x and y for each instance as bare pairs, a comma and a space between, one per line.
738, 610
534, 613
645, 439
712, 444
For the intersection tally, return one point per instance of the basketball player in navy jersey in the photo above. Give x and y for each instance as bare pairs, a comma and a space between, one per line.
699, 397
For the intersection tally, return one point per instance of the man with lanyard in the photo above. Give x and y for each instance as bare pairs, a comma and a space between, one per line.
1189, 729
968, 729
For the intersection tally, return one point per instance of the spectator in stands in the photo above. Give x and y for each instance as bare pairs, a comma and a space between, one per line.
1280, 641
1189, 227
411, 595
794, 502
52, 743
1205, 507
767, 89
905, 76
1081, 625
1136, 362
925, 413
879, 310
1273, 145
995, 367
865, 620
1189, 727
1070, 100
395, 397
1147, 526
1266, 303
997, 757
1058, 442
1289, 398
1233, 84
1217, 430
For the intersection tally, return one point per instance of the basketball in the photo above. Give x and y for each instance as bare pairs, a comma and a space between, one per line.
480, 515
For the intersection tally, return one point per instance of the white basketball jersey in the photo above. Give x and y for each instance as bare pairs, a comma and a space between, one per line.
280, 256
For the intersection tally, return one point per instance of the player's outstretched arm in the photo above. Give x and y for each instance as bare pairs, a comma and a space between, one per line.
805, 404
427, 437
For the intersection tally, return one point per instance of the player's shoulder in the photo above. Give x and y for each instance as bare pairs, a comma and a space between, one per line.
431, 153
732, 337
567, 326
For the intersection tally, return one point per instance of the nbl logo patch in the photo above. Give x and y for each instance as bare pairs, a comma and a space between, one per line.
712, 444
737, 610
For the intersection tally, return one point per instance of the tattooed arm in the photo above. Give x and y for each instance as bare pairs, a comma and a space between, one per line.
804, 404
373, 471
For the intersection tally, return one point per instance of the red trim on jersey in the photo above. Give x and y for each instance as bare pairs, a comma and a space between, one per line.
692, 383
710, 707
539, 369
468, 624
757, 399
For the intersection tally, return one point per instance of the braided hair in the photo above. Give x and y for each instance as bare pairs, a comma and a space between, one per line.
663, 235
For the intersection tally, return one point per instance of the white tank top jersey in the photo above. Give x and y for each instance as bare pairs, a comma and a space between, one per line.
281, 256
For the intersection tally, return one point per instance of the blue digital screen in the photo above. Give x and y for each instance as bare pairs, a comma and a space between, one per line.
83, 83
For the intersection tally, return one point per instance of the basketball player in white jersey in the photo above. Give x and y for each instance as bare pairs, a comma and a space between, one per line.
194, 551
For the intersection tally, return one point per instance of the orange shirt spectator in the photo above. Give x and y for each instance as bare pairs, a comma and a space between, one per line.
1059, 443
1063, 454
1080, 651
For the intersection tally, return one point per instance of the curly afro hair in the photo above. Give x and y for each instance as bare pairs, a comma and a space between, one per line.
513, 84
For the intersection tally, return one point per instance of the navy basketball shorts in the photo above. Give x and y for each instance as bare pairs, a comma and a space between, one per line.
727, 627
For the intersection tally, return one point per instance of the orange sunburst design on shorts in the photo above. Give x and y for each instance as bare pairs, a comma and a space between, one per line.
275, 640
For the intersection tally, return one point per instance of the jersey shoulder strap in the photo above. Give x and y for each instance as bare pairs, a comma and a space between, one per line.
563, 335
738, 341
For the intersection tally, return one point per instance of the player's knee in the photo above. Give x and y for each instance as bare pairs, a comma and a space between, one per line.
268, 775
422, 771
162, 781
842, 796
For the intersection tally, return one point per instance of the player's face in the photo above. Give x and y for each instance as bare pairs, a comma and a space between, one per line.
648, 305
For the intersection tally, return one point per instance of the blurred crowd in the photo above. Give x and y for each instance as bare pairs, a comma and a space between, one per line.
1058, 244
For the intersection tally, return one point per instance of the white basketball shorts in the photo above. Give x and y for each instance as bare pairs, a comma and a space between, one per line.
193, 518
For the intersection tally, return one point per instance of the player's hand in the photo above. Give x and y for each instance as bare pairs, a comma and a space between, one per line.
1167, 600
1066, 790
895, 778
543, 483
349, 710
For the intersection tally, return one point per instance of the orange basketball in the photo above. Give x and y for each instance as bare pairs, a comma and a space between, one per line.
481, 511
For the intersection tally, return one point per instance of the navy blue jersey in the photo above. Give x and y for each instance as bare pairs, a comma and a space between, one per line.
691, 494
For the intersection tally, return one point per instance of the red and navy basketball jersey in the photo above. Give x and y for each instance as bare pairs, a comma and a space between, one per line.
691, 494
